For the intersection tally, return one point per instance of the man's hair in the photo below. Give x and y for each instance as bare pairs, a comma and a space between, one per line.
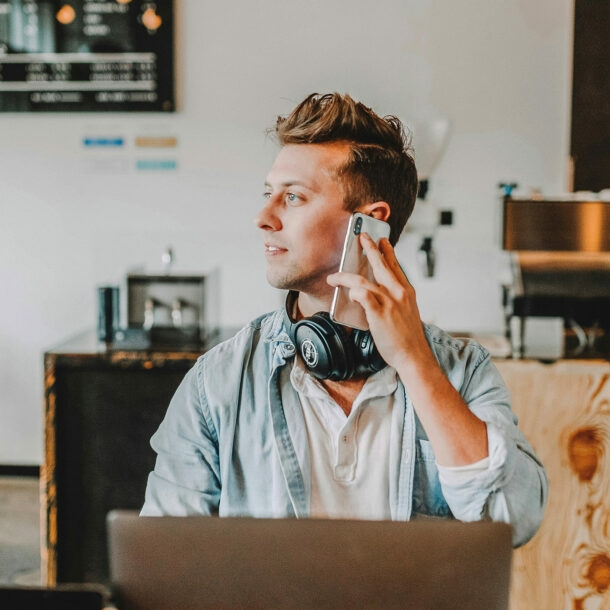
380, 166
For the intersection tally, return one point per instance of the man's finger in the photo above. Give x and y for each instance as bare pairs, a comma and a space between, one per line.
385, 265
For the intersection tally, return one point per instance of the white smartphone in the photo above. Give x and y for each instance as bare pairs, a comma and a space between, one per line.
354, 260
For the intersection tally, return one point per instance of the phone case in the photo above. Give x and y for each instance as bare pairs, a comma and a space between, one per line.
354, 260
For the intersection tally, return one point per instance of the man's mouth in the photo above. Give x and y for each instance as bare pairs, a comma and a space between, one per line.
273, 249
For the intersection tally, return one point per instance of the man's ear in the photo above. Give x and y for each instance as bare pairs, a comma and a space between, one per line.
377, 209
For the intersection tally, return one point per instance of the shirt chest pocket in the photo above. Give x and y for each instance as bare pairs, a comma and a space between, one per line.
428, 496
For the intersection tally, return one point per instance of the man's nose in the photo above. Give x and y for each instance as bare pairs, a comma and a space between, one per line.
268, 219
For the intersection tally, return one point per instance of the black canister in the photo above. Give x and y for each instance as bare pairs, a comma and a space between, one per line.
107, 312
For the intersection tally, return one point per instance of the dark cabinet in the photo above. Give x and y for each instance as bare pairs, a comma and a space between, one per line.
590, 134
101, 407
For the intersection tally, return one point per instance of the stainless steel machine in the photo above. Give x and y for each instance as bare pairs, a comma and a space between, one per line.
560, 254
173, 309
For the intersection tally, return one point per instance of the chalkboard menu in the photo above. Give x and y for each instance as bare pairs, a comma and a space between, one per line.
86, 55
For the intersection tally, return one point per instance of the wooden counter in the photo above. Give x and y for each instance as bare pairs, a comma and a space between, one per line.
564, 410
102, 405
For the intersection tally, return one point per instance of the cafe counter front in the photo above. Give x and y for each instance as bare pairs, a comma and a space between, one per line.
103, 402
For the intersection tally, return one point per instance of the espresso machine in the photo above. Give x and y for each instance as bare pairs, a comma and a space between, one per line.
164, 309
560, 271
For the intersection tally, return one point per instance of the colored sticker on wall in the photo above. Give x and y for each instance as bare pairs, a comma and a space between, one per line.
156, 164
156, 142
103, 142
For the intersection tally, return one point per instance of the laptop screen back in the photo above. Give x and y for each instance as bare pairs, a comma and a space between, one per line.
182, 563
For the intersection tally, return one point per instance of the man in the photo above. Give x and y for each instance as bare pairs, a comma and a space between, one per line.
252, 431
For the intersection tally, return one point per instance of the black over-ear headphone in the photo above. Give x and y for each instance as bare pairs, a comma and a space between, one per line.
328, 350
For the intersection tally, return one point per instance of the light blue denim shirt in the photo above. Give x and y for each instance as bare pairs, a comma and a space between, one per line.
234, 441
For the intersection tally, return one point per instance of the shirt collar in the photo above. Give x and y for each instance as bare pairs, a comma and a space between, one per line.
381, 383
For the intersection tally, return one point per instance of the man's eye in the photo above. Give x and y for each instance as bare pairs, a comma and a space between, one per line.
292, 198
266, 194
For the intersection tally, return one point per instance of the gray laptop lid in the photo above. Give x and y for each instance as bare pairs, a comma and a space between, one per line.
179, 563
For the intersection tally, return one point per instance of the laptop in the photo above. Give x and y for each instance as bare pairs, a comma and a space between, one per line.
190, 563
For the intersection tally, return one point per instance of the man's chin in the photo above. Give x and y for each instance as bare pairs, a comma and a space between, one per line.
302, 286
281, 283
287, 281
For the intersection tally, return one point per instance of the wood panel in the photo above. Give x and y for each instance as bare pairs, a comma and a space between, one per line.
564, 410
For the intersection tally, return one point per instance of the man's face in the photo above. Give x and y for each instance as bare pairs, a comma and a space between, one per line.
303, 220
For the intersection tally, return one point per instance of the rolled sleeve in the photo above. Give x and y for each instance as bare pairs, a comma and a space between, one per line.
513, 488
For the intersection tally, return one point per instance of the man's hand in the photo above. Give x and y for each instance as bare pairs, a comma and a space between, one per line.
390, 305
458, 437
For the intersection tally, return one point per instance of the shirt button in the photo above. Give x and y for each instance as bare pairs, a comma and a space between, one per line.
341, 472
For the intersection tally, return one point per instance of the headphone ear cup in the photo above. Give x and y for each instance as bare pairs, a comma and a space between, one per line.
325, 347
366, 357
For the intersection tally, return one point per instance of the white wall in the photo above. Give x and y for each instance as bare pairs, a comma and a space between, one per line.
68, 221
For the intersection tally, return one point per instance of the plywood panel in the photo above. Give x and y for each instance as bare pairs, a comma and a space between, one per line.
564, 410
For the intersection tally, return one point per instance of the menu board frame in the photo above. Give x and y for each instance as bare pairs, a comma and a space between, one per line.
87, 56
